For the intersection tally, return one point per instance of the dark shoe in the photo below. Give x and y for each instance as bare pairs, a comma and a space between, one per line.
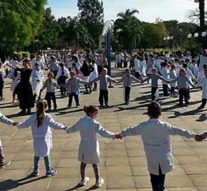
52, 172
5, 163
34, 174
22, 113
200, 107
29, 112
180, 104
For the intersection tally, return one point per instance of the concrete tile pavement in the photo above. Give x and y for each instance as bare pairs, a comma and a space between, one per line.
123, 163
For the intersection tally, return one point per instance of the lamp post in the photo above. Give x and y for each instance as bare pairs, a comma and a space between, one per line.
118, 31
108, 25
168, 40
171, 41
196, 35
165, 39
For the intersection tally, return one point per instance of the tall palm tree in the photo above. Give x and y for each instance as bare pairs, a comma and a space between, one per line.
202, 13
129, 27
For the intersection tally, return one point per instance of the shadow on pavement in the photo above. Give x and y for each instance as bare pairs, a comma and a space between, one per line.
11, 184
75, 187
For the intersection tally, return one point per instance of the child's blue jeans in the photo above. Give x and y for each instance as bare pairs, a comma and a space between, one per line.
47, 163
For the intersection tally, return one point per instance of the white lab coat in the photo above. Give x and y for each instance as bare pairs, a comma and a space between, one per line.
15, 81
65, 72
89, 151
37, 81
203, 83
42, 135
94, 73
5, 120
156, 139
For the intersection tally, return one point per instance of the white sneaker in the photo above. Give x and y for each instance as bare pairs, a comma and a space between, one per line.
99, 183
84, 182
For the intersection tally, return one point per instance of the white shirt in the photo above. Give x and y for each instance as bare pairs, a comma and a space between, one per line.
155, 135
37, 80
65, 72
42, 135
165, 74
203, 83
137, 67
5, 120
89, 128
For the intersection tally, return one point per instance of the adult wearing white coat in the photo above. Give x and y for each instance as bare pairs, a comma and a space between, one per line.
203, 83
37, 80
62, 75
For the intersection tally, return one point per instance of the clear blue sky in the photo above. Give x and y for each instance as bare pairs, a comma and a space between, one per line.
149, 10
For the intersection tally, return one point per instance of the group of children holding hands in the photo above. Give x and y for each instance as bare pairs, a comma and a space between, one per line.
174, 77
155, 135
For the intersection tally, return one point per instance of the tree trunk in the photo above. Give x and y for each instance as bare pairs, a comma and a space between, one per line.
202, 15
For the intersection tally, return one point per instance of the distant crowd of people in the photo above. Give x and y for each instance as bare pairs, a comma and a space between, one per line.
68, 71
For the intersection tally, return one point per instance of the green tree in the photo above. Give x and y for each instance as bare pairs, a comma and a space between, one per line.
92, 17
153, 34
20, 21
48, 34
63, 35
128, 29
78, 35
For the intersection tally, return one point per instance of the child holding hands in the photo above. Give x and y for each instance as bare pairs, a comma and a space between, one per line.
127, 82
155, 135
103, 78
7, 121
41, 124
89, 152
51, 85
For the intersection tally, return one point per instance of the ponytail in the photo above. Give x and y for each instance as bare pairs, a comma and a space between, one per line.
41, 106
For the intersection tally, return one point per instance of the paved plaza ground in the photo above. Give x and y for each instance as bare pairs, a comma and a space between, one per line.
123, 163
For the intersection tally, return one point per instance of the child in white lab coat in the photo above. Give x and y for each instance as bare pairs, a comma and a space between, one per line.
203, 83
41, 124
155, 135
7, 121
89, 152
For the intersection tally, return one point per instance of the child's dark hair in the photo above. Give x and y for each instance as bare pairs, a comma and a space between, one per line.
90, 109
154, 110
41, 106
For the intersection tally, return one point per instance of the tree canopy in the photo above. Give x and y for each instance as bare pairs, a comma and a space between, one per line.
92, 17
20, 21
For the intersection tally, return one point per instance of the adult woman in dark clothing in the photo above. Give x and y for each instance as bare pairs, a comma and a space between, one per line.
24, 88
86, 70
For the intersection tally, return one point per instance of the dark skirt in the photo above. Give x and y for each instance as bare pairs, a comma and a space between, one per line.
25, 95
